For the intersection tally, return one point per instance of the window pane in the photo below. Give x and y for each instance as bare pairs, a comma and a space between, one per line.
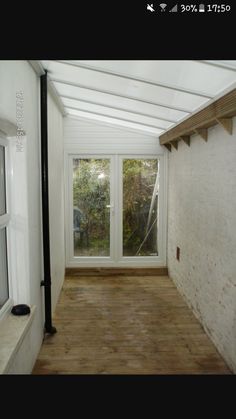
140, 207
2, 181
4, 293
91, 212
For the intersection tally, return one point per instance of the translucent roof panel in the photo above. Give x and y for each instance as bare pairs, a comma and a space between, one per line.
123, 86
124, 103
105, 111
197, 76
110, 120
145, 93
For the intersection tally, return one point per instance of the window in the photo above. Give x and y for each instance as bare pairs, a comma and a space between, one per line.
4, 223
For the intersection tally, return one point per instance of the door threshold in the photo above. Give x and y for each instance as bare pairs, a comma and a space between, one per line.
103, 271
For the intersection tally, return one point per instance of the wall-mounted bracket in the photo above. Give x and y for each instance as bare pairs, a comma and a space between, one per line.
227, 124
203, 132
186, 139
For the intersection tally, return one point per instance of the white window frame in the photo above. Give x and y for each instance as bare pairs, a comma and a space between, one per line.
120, 261
5, 223
142, 260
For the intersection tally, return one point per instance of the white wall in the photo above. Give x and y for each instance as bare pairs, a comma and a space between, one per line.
202, 222
85, 136
27, 259
56, 197
16, 76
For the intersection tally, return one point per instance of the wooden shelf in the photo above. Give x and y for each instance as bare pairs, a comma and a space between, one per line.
221, 111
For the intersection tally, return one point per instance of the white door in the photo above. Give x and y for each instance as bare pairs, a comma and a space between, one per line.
114, 211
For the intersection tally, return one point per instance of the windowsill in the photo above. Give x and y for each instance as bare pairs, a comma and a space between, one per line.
12, 332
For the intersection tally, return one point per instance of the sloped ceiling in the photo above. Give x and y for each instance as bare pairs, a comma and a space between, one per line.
150, 96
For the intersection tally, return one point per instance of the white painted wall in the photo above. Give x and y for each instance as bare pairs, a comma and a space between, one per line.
26, 186
83, 136
15, 76
202, 222
56, 197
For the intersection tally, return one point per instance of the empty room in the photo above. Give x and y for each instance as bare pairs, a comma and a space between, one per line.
117, 217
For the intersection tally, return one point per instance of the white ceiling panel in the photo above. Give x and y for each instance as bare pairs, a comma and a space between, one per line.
109, 100
146, 95
194, 76
119, 85
112, 121
106, 111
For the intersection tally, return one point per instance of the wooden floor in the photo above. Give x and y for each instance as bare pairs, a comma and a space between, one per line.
126, 325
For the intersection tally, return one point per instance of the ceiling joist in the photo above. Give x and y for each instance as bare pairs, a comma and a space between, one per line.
108, 92
136, 79
116, 118
117, 108
219, 65
220, 111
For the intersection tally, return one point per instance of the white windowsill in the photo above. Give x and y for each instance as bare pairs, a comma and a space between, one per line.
12, 331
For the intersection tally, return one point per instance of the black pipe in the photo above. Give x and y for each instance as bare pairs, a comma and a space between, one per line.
49, 328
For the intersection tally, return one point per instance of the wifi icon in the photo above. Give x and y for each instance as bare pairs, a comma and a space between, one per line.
163, 7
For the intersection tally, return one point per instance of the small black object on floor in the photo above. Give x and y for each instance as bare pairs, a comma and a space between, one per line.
20, 310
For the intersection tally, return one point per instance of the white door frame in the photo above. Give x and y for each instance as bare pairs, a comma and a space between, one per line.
116, 259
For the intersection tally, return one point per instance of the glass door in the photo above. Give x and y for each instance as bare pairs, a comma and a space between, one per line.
114, 216
140, 188
92, 209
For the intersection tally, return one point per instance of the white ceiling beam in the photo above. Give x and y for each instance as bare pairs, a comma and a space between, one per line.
116, 117
39, 70
37, 66
176, 108
111, 121
137, 79
218, 64
119, 109
55, 95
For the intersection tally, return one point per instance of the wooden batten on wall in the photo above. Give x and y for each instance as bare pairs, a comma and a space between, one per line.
221, 111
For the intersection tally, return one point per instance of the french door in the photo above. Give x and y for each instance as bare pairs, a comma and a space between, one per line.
114, 211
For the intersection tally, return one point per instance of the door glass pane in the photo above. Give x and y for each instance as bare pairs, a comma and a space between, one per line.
4, 294
91, 212
140, 207
2, 181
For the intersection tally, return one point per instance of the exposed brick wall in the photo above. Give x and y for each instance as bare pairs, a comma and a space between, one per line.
202, 223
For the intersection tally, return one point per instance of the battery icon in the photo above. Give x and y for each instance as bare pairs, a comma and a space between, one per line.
201, 8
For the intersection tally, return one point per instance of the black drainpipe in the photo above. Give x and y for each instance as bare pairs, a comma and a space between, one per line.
49, 328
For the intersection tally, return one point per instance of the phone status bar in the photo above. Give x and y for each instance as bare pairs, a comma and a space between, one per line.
188, 8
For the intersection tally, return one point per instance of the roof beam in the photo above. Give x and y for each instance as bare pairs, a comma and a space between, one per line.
137, 79
116, 117
218, 64
220, 111
118, 108
55, 95
176, 108
110, 121
37, 66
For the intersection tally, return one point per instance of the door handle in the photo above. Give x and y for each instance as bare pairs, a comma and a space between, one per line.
111, 208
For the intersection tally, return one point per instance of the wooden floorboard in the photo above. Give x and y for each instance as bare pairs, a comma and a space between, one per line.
126, 325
